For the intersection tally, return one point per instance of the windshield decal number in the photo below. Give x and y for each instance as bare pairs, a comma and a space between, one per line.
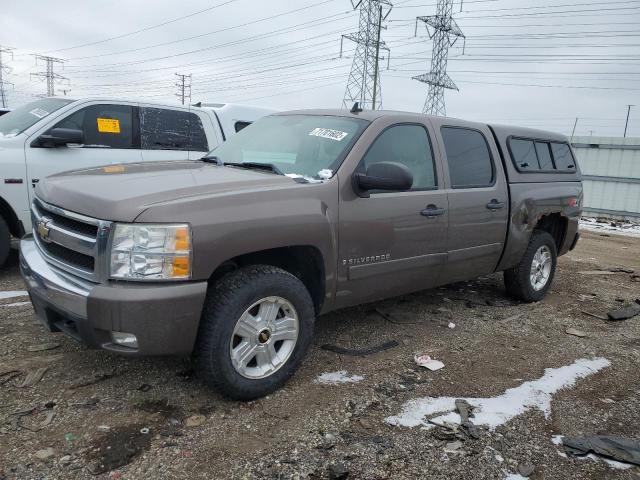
108, 125
38, 112
336, 135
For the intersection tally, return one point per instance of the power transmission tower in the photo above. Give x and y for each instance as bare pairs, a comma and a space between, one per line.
444, 35
50, 75
3, 83
363, 85
184, 87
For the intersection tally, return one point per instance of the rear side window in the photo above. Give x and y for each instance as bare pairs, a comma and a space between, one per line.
468, 156
104, 126
544, 156
562, 156
240, 125
408, 145
163, 129
524, 153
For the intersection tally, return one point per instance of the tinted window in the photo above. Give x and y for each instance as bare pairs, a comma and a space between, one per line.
470, 163
162, 129
408, 145
524, 153
562, 156
104, 126
240, 125
544, 156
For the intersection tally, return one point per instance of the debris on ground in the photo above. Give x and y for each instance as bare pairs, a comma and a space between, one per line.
618, 269
451, 325
354, 352
100, 377
616, 448
33, 377
334, 378
41, 347
394, 318
45, 454
194, 420
575, 332
624, 313
424, 360
594, 315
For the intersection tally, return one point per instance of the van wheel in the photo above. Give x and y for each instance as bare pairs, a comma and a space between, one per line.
256, 327
5, 241
532, 277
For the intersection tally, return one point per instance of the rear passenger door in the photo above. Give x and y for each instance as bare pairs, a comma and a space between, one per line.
478, 201
168, 134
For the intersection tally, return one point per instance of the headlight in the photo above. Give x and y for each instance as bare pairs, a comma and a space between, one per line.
151, 252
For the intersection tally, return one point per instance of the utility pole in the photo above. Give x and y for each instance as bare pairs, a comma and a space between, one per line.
444, 35
184, 85
363, 85
50, 75
626, 124
4, 69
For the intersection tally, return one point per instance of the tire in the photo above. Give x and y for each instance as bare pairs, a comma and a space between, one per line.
519, 281
222, 333
5, 241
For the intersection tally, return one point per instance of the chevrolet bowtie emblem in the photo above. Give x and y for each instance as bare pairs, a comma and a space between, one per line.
43, 229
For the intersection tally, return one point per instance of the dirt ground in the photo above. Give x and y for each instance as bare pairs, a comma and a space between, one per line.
105, 416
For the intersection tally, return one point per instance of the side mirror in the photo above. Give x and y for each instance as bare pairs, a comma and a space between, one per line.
383, 176
60, 137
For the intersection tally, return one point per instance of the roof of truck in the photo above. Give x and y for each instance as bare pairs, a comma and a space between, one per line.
371, 115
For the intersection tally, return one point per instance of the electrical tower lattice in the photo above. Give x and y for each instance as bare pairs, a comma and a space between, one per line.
363, 85
4, 103
50, 75
444, 35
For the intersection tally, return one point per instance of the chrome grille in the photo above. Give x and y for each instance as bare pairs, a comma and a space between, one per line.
71, 241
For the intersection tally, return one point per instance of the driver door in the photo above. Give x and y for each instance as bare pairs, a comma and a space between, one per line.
393, 243
111, 135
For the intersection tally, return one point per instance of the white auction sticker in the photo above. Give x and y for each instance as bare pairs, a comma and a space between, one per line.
336, 135
38, 112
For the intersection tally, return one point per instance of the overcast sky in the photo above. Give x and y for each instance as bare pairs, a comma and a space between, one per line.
538, 64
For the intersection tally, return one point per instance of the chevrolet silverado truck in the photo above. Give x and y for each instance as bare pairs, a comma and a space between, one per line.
230, 258
52, 135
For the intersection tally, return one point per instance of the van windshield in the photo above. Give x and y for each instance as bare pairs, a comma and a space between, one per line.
308, 146
18, 120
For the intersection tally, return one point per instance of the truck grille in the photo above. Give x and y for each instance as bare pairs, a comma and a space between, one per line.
70, 241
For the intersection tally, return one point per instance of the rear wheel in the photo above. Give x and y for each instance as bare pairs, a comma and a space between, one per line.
5, 241
531, 278
255, 330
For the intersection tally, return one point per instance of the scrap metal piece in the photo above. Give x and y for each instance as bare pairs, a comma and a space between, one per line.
616, 448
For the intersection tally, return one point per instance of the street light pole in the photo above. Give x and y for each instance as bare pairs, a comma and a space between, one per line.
626, 124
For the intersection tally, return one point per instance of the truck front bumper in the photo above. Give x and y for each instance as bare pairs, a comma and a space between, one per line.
163, 317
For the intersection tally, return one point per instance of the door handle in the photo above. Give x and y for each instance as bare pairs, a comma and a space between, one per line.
495, 205
432, 211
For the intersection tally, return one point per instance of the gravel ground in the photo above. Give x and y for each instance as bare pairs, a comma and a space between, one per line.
97, 415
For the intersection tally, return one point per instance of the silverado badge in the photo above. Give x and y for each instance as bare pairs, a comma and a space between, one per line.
43, 229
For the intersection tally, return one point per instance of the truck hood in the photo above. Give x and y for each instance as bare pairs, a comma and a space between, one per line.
122, 192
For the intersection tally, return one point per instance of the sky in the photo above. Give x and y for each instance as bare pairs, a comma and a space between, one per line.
539, 64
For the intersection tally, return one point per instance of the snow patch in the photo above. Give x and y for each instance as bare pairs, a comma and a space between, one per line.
496, 411
335, 378
514, 476
621, 228
16, 304
11, 294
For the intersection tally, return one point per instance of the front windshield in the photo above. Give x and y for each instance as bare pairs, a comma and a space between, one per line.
18, 120
310, 146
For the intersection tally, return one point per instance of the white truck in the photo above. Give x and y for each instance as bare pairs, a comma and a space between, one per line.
53, 135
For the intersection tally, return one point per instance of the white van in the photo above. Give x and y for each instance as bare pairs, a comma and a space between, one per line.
56, 134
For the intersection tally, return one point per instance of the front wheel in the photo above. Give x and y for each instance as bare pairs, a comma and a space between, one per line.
256, 327
5, 241
531, 278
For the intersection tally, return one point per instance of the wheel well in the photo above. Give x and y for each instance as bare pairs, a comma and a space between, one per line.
556, 225
305, 262
6, 212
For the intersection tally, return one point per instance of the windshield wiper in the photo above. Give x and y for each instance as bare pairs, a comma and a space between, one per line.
212, 159
270, 167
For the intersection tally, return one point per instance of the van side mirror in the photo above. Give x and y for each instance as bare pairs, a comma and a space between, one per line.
59, 137
383, 176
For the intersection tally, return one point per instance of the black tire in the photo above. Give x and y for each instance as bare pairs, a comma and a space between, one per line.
226, 301
517, 279
5, 241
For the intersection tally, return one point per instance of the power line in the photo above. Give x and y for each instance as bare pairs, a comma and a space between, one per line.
363, 84
445, 33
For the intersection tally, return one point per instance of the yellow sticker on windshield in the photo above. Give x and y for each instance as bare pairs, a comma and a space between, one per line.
108, 125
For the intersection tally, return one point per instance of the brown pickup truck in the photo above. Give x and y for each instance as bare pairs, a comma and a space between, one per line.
230, 258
